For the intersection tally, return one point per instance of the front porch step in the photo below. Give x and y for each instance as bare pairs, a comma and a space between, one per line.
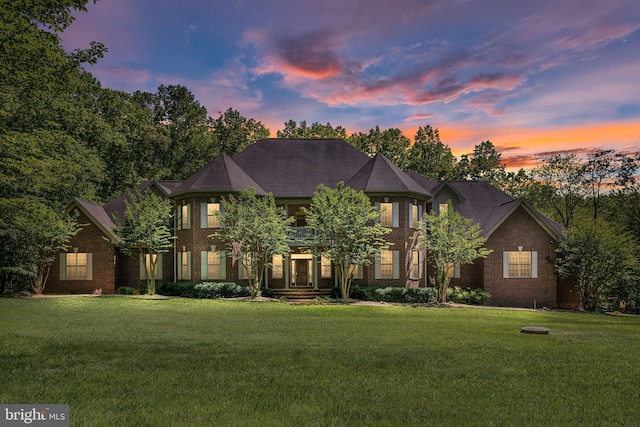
301, 294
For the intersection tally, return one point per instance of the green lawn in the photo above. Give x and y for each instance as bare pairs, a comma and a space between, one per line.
134, 362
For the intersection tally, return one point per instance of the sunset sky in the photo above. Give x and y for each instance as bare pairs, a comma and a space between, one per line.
531, 76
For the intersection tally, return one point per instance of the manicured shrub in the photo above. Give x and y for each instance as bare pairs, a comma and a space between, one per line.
361, 292
267, 292
221, 290
468, 296
180, 289
391, 294
421, 295
125, 290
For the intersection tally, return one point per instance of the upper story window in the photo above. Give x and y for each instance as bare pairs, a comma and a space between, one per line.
415, 214
209, 215
388, 214
184, 216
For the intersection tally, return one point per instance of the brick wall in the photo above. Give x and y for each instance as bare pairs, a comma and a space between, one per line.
520, 229
89, 240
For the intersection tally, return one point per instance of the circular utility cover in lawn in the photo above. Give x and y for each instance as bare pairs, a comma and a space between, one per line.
534, 330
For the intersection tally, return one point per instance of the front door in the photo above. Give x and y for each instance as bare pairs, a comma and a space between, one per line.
301, 268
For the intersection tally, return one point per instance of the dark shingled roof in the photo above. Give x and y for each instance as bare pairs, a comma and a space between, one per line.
380, 175
221, 174
96, 213
118, 205
487, 205
295, 167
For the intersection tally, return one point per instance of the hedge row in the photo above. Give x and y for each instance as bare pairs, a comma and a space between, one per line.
414, 295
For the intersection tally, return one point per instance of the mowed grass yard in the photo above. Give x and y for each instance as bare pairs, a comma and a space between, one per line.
135, 362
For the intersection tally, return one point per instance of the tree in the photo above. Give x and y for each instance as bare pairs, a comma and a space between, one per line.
344, 230
233, 133
484, 164
599, 257
316, 130
390, 142
561, 176
429, 156
144, 232
450, 239
32, 234
254, 230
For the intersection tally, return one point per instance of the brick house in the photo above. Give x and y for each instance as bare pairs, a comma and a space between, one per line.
518, 273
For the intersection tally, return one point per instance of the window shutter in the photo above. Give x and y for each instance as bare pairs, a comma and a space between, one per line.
456, 271
179, 264
223, 266
396, 264
221, 223
204, 220
188, 265
178, 218
359, 271
411, 219
188, 215
141, 263
420, 264
89, 266
204, 265
377, 205
159, 268
378, 269
419, 212
63, 266
396, 214
505, 265
534, 264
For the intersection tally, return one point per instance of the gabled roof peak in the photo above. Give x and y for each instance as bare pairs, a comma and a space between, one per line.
221, 174
380, 175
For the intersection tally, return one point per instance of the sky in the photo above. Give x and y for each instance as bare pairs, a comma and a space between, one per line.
533, 77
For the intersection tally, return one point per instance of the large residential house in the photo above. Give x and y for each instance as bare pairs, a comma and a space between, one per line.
518, 273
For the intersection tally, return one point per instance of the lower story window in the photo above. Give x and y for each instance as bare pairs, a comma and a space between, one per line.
184, 265
520, 264
388, 265
213, 265
278, 267
325, 267
76, 266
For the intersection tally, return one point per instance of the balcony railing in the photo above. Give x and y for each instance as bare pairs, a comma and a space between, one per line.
300, 234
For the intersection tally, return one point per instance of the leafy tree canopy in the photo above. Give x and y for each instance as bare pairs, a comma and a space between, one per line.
450, 239
344, 230
254, 230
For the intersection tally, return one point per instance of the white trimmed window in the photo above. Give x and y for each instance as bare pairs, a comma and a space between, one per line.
415, 214
184, 216
453, 270
520, 264
213, 265
388, 265
184, 265
243, 272
278, 267
388, 214
357, 272
416, 265
325, 268
147, 262
209, 215
76, 266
